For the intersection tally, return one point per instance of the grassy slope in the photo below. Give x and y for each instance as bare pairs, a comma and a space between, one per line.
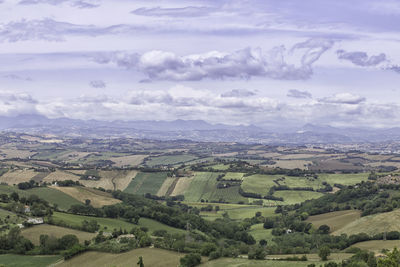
11, 260
54, 196
344, 179
373, 224
111, 224
258, 183
169, 160
149, 182
202, 186
294, 196
151, 257
335, 220
258, 232
377, 245
33, 233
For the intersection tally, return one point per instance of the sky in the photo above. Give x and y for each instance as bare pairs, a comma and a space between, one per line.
268, 63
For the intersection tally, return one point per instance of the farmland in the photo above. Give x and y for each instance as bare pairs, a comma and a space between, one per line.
62, 200
11, 260
151, 257
335, 220
33, 233
97, 198
146, 183
203, 186
168, 160
372, 224
296, 196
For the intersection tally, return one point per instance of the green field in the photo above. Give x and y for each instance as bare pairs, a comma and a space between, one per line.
108, 224
258, 232
230, 194
377, 245
169, 160
373, 224
259, 183
294, 196
151, 257
344, 179
233, 176
11, 260
203, 186
54, 196
33, 233
220, 167
335, 220
146, 182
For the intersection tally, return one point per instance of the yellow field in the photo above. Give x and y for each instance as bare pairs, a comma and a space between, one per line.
182, 185
17, 176
164, 188
15, 153
335, 220
133, 160
112, 180
97, 198
60, 176
33, 233
151, 257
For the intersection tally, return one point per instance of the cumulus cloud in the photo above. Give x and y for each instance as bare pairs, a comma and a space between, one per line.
279, 63
98, 84
298, 94
12, 104
343, 98
189, 11
238, 93
361, 58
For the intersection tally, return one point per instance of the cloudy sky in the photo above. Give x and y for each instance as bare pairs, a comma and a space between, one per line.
263, 62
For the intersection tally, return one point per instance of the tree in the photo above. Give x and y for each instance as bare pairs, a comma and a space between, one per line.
190, 260
87, 202
324, 252
263, 242
14, 196
140, 262
392, 259
257, 253
324, 229
68, 241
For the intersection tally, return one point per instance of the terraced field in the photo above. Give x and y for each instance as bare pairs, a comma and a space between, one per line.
146, 182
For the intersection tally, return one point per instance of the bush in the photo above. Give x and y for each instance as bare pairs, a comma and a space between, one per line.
190, 260
324, 252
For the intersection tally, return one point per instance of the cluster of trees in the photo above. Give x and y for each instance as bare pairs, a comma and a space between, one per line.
27, 185
38, 206
14, 242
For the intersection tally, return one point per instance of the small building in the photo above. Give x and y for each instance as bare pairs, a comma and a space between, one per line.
27, 209
35, 220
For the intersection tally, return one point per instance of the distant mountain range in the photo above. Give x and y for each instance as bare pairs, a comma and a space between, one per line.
197, 130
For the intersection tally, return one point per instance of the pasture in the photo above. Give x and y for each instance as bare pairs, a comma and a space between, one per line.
335, 220
344, 179
377, 245
151, 257
33, 233
258, 232
54, 196
295, 196
12, 260
146, 182
259, 183
233, 176
130, 160
97, 198
373, 224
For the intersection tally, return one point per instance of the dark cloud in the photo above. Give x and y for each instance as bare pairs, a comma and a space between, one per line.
98, 84
242, 64
361, 58
238, 93
189, 11
395, 68
298, 94
343, 98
